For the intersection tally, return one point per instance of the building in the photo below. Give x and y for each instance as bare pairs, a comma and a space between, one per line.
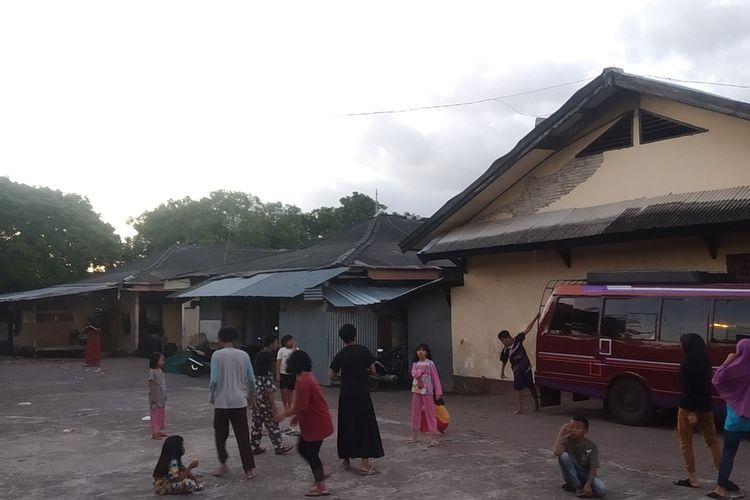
357, 276
629, 174
129, 303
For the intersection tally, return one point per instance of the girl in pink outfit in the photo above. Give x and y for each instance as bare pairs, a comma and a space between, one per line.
425, 389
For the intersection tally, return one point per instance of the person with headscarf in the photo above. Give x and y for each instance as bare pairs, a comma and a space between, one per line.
732, 381
696, 408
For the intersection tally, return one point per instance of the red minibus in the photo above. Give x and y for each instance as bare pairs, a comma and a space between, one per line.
621, 343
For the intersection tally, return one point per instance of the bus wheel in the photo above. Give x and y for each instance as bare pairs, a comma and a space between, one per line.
629, 402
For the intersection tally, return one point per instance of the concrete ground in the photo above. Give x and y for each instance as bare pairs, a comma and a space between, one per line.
72, 432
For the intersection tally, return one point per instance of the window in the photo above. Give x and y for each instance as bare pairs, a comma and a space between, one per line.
679, 316
618, 136
632, 319
576, 316
54, 317
731, 319
657, 128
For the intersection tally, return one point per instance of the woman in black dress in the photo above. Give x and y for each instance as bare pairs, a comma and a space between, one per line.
358, 433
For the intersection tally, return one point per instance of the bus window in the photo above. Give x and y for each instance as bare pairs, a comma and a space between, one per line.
731, 318
575, 316
680, 316
631, 318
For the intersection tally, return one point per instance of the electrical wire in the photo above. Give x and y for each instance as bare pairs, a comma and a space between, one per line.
734, 85
500, 100
468, 103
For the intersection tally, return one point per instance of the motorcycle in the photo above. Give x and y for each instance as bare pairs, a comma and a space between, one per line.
391, 368
199, 358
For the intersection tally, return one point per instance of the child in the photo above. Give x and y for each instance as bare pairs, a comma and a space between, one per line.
578, 458
170, 476
425, 389
157, 395
523, 375
264, 406
286, 380
310, 410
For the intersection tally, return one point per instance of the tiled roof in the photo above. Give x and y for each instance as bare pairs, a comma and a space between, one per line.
372, 243
177, 260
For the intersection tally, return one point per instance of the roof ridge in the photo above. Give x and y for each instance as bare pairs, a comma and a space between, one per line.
363, 242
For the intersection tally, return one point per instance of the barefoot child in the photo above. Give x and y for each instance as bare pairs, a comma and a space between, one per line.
523, 375
310, 410
578, 458
264, 406
170, 476
425, 389
157, 394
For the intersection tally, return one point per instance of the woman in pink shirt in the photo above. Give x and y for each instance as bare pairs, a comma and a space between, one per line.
425, 389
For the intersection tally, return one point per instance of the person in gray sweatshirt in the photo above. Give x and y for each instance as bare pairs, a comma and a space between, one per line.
231, 388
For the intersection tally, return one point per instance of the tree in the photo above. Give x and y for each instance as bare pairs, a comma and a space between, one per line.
242, 220
48, 237
357, 208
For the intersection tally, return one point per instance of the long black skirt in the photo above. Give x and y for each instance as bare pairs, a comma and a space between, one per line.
358, 433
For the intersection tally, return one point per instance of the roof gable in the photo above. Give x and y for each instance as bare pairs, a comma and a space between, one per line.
578, 113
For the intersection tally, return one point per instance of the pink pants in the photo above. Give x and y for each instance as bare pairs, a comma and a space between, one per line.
157, 420
424, 402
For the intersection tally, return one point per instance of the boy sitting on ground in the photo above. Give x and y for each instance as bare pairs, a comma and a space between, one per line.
579, 459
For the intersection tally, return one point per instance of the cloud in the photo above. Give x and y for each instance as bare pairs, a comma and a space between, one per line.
420, 170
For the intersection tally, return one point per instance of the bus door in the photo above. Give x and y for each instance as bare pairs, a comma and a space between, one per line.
566, 351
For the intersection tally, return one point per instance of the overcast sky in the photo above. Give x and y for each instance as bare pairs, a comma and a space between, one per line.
132, 103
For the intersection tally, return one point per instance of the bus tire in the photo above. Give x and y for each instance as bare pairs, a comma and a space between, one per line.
629, 402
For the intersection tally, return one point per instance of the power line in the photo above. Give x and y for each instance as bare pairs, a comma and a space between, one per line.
700, 82
467, 103
500, 100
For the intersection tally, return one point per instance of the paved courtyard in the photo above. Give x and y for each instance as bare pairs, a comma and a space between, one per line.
74, 432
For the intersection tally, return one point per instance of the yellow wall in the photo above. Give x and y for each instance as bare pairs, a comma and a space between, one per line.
717, 159
127, 339
503, 291
190, 322
172, 322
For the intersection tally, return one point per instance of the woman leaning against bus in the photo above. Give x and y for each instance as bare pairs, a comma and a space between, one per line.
696, 408
733, 384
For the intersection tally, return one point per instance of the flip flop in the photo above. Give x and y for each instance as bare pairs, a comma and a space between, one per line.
713, 494
685, 483
317, 493
368, 472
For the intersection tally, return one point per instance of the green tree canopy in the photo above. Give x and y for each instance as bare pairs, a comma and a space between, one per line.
47, 237
242, 220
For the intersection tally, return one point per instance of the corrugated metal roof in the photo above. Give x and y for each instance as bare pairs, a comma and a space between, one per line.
673, 211
56, 291
281, 284
348, 295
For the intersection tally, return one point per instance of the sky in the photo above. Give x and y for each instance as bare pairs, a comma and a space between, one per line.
133, 103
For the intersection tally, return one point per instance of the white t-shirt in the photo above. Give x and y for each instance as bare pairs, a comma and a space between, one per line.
283, 355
